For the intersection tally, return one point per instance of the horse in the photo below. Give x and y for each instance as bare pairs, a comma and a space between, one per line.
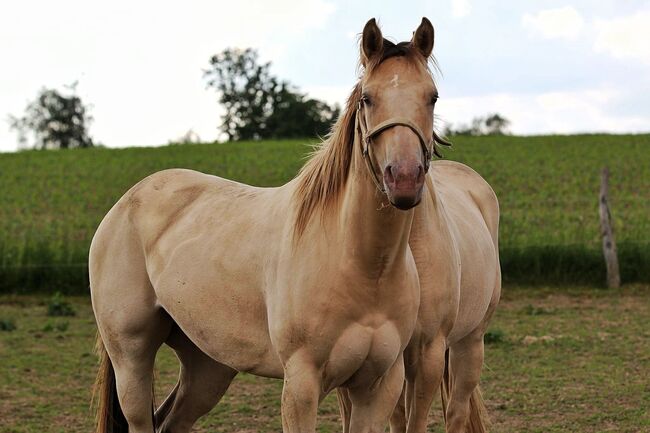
313, 282
454, 240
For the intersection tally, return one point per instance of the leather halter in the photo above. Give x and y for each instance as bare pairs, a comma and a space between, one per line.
367, 136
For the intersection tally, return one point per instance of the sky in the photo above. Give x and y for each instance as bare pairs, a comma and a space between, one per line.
548, 66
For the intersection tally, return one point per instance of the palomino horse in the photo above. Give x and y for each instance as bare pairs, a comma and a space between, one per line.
313, 282
454, 242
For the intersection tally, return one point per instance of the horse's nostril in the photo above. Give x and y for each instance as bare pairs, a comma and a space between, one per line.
420, 172
390, 176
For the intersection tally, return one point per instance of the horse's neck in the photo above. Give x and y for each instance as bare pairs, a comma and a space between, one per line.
374, 233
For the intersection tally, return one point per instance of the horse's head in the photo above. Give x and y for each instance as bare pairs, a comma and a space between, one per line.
395, 112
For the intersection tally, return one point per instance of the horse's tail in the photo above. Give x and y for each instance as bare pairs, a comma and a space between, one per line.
110, 418
478, 418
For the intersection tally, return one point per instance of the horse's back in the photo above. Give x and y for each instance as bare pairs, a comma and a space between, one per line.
473, 214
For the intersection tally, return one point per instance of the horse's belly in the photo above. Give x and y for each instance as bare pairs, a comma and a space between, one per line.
362, 354
475, 296
227, 322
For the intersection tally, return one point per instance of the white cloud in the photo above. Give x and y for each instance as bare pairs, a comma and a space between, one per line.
625, 37
551, 112
560, 23
460, 8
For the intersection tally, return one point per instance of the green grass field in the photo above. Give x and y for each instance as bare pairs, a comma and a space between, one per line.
52, 201
570, 360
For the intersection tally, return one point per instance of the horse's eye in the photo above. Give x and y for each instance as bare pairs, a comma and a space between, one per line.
365, 99
434, 99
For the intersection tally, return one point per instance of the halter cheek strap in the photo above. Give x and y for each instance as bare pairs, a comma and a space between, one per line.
367, 137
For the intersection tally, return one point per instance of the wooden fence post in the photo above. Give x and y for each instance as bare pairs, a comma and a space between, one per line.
607, 231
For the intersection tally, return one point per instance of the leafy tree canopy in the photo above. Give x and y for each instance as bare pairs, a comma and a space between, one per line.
492, 124
259, 105
55, 120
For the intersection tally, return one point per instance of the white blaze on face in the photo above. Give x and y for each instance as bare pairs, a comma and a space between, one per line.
395, 80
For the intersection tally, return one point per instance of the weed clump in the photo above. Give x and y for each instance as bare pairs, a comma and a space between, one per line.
532, 310
494, 336
60, 326
58, 306
7, 325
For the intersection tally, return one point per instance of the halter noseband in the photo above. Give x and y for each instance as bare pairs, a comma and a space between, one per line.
367, 136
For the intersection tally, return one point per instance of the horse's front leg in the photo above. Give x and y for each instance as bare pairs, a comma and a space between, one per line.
398, 418
424, 377
372, 406
301, 394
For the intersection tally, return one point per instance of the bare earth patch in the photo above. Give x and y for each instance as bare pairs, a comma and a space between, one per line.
569, 360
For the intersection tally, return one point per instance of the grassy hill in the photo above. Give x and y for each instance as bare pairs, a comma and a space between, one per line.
52, 201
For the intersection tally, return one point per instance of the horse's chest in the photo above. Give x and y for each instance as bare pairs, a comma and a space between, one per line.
362, 353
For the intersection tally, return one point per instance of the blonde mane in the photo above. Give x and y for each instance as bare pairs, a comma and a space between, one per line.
323, 177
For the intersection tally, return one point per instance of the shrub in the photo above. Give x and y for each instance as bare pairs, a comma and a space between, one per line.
532, 310
60, 326
59, 306
7, 325
494, 336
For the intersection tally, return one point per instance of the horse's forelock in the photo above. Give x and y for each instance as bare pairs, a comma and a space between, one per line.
400, 49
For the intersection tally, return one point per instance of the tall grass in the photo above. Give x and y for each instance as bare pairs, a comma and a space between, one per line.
51, 202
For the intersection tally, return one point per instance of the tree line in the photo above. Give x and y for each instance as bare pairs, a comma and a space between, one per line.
492, 124
257, 105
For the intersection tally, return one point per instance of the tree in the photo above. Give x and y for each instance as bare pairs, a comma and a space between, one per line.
246, 92
56, 121
496, 124
492, 124
294, 115
190, 137
258, 105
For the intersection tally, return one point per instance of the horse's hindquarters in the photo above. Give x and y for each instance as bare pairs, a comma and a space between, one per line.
191, 244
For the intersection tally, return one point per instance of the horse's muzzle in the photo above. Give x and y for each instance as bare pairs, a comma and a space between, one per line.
403, 182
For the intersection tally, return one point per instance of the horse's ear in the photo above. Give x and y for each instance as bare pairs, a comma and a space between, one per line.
372, 42
423, 38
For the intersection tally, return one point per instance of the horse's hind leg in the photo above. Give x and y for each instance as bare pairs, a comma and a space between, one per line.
202, 383
132, 347
131, 323
466, 362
